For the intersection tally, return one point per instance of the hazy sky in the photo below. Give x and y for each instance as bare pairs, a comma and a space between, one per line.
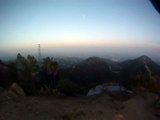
69, 27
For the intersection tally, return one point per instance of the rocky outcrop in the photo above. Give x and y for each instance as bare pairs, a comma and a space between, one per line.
96, 91
16, 90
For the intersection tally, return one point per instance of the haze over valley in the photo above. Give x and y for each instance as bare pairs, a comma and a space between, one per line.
111, 29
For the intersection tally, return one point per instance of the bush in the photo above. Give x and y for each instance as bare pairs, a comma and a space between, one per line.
67, 87
138, 80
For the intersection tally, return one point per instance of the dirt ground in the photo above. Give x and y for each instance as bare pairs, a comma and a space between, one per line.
101, 107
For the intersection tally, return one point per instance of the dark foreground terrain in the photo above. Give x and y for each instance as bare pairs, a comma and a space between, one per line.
33, 91
101, 107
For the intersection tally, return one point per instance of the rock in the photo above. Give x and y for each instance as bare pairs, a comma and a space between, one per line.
16, 90
96, 91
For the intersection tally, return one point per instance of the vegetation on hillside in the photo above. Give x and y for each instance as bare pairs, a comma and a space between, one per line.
36, 77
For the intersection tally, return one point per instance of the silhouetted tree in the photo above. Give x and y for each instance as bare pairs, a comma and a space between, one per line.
28, 73
67, 87
12, 72
50, 70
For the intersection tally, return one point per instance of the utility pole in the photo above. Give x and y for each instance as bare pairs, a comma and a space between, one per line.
39, 53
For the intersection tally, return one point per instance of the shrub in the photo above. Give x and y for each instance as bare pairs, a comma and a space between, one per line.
138, 80
67, 87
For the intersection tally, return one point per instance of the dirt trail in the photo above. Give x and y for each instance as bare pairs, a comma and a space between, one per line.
100, 107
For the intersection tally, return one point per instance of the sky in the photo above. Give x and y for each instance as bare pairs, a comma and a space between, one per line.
79, 28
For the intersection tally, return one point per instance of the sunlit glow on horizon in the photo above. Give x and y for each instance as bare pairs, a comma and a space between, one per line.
67, 26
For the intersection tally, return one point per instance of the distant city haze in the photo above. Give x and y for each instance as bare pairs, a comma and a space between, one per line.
115, 29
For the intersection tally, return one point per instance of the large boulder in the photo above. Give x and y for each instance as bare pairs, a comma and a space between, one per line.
98, 89
16, 90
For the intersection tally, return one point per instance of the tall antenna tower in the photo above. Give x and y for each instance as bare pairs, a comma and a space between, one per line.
39, 52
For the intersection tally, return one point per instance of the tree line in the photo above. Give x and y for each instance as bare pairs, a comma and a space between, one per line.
35, 76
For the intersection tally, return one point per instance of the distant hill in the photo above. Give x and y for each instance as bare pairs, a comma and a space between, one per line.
67, 62
139, 71
92, 71
141, 65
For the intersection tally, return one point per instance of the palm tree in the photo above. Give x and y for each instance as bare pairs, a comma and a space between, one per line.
31, 60
51, 68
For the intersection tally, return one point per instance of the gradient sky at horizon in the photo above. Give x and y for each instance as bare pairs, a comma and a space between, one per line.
77, 26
